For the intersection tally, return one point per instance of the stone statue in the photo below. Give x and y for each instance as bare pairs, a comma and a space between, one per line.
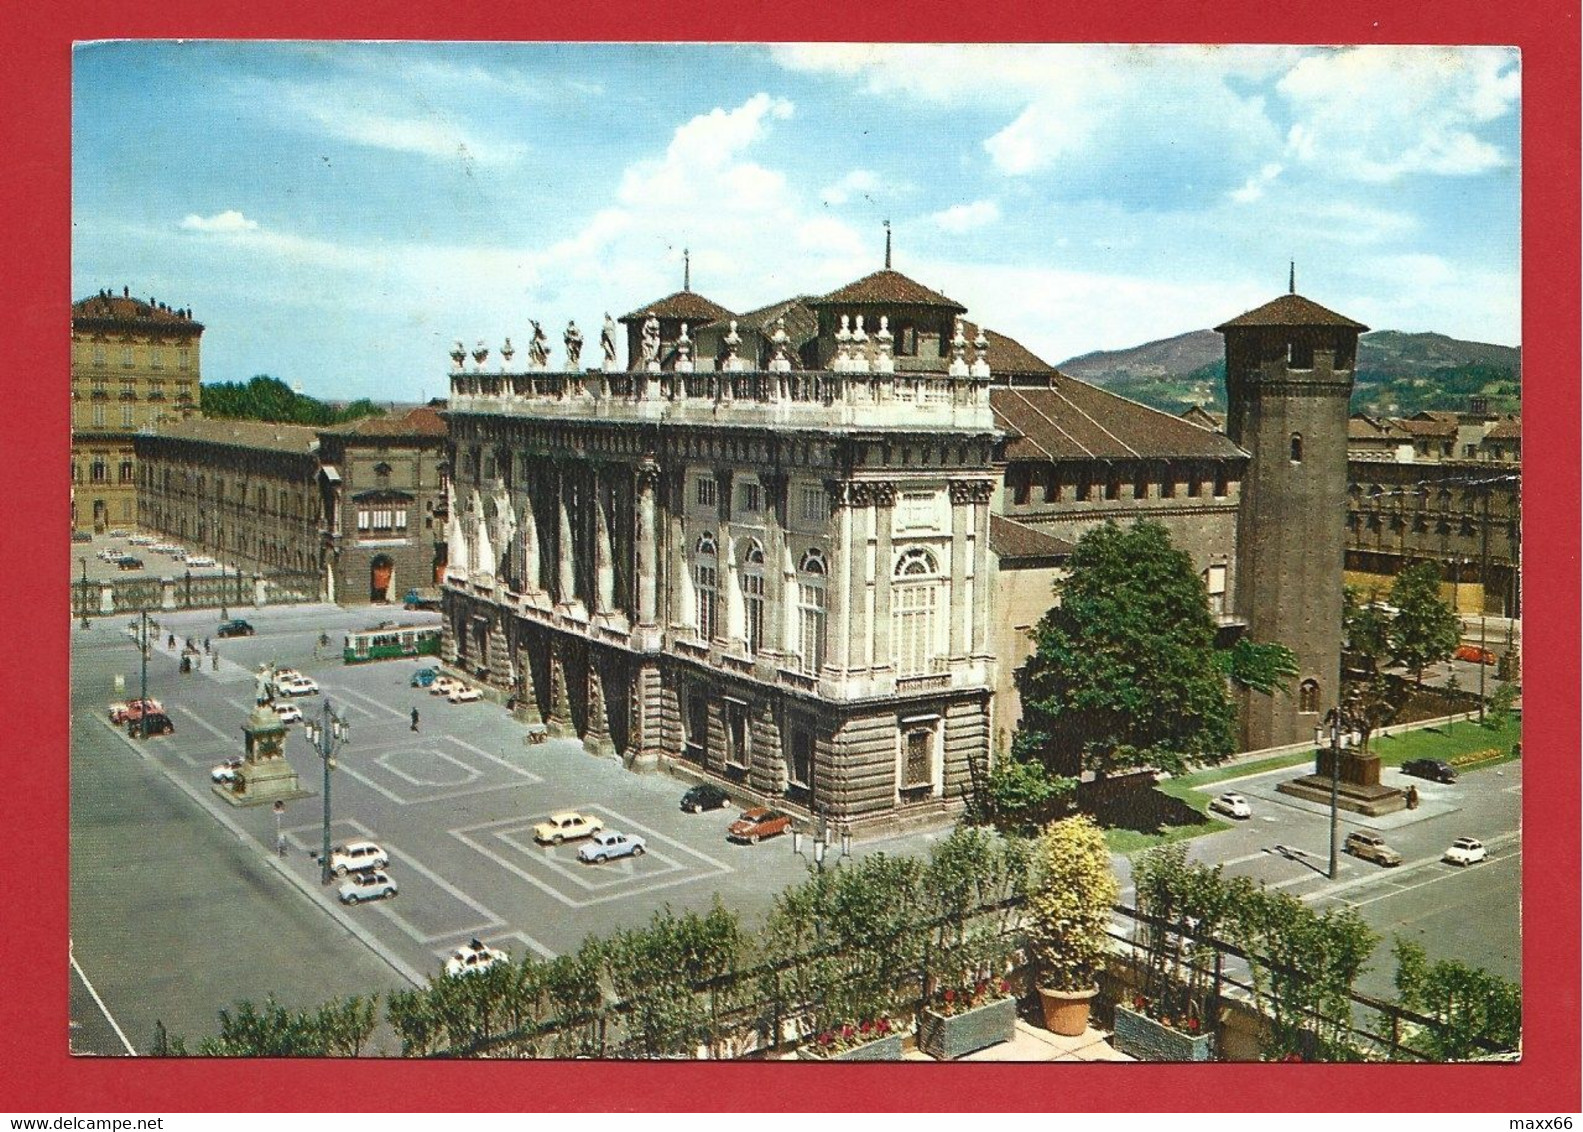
261, 685
539, 347
574, 345
607, 341
651, 341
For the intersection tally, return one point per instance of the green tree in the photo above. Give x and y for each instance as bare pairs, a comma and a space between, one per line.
1365, 629
1425, 630
1472, 1011
1124, 671
265, 398
1499, 711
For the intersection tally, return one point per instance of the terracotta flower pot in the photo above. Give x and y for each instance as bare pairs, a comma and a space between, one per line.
1066, 1012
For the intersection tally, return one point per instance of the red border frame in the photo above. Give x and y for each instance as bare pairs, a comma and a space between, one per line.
35, 1070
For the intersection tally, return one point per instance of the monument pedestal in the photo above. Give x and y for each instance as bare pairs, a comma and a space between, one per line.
264, 776
1359, 790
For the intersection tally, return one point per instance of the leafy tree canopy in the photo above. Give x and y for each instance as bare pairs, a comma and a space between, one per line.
1365, 628
266, 398
1425, 630
1124, 670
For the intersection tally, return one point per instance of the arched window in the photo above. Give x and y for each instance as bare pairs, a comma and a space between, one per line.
706, 578
811, 575
915, 612
1297, 448
753, 594
1308, 697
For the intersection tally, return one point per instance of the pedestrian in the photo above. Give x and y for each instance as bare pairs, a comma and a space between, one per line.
206, 646
280, 845
171, 644
214, 659
414, 719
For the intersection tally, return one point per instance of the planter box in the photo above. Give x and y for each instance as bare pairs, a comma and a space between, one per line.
947, 1036
1142, 1037
887, 1048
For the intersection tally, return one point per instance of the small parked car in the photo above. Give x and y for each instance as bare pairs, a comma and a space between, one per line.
370, 885
235, 627
465, 695
445, 685
423, 677
289, 713
704, 796
566, 826
1232, 805
155, 723
472, 958
119, 533
81, 536
225, 773
127, 562
297, 686
607, 845
357, 856
1474, 654
1433, 769
121, 713
758, 823
202, 561
1465, 851
1371, 847
141, 540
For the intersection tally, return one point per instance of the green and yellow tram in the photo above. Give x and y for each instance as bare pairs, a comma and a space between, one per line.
388, 642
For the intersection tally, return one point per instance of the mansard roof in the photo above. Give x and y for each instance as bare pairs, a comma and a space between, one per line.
1009, 539
683, 306
103, 311
1291, 310
1073, 420
420, 422
886, 288
268, 435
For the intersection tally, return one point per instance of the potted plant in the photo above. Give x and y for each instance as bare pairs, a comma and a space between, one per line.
1069, 920
877, 1039
959, 1020
1181, 906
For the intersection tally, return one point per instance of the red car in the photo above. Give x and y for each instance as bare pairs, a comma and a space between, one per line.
1474, 654
124, 713
758, 822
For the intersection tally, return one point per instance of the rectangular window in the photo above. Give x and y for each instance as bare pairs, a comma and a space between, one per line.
708, 592
750, 498
1084, 486
126, 357
1195, 483
156, 358
401, 520
1215, 584
913, 628
799, 771
1052, 485
1168, 483
917, 762
1021, 484
753, 594
918, 511
1222, 484
98, 354
362, 520
183, 359
737, 734
815, 505
1113, 487
706, 491
126, 416
98, 416
812, 611
126, 471
697, 738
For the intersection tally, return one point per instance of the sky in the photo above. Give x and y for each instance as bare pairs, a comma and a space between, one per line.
337, 215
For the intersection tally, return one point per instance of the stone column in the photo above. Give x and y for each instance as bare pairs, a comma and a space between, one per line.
962, 544
167, 593
779, 588
530, 550
648, 550
106, 599
647, 735
885, 510
597, 740
735, 622
863, 655
260, 591
682, 600
566, 573
559, 718
839, 634
979, 583
604, 562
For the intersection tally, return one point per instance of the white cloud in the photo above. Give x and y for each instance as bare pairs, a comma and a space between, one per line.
966, 217
1255, 185
228, 221
1379, 113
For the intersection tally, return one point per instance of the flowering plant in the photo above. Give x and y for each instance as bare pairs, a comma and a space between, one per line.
959, 1000
839, 1039
1181, 1012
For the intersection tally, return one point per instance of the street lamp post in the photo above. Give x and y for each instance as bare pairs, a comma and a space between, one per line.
1341, 732
142, 653
224, 616
327, 735
86, 624
821, 841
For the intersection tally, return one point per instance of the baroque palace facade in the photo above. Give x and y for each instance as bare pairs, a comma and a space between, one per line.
798, 551
133, 364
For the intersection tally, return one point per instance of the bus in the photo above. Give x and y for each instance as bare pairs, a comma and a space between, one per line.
389, 641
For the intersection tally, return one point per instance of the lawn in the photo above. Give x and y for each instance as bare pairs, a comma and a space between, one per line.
1175, 808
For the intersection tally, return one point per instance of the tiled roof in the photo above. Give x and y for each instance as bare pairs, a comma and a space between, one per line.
1009, 539
1426, 428
1361, 426
1437, 415
1509, 429
1291, 310
1072, 420
1006, 355
1204, 418
244, 434
885, 288
102, 308
685, 306
801, 323
422, 421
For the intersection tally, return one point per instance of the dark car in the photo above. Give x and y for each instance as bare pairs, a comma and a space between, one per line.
1432, 769
129, 563
157, 723
424, 677
703, 797
235, 628
81, 536
758, 823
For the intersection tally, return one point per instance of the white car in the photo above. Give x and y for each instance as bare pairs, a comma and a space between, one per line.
465, 695
357, 856
606, 845
225, 773
1232, 805
297, 686
289, 713
472, 958
445, 685
567, 826
371, 885
1465, 851
202, 561
140, 540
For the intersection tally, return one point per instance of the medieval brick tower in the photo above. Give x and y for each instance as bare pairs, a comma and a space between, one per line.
1288, 383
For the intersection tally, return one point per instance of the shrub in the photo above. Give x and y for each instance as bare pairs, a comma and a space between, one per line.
1070, 908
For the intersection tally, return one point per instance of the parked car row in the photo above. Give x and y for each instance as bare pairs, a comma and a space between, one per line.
451, 688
